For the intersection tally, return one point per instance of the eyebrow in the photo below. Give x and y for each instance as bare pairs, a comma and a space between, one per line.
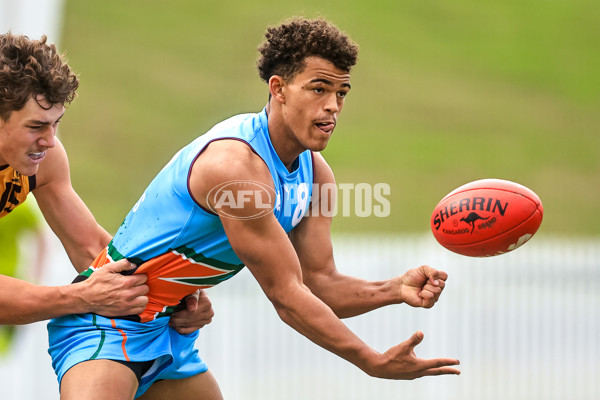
328, 82
38, 122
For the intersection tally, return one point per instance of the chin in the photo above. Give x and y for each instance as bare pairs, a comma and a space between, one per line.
321, 148
28, 171
319, 145
317, 148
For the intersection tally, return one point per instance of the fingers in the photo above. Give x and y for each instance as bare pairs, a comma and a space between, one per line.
433, 286
185, 322
440, 364
441, 284
203, 300
137, 305
138, 290
186, 319
111, 292
435, 277
112, 307
124, 266
137, 280
415, 339
201, 311
195, 295
430, 293
435, 366
183, 330
404, 364
119, 266
189, 320
439, 371
191, 301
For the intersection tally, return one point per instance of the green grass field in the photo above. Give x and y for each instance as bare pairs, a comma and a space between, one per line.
444, 93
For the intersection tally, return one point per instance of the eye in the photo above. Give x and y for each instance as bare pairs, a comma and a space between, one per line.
342, 94
318, 90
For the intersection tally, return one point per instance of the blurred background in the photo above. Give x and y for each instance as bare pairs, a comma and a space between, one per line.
443, 94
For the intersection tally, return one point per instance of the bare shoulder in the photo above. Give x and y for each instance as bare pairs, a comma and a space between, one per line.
322, 171
325, 183
224, 161
228, 152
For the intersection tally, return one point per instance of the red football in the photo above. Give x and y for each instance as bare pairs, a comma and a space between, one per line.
487, 218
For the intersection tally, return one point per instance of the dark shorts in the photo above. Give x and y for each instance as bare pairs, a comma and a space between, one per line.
138, 368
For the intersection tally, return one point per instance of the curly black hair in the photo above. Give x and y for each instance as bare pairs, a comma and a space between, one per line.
288, 45
29, 68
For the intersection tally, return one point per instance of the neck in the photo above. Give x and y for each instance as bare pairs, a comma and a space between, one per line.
283, 140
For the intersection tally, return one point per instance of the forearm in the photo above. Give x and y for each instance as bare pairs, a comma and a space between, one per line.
348, 296
305, 313
68, 216
83, 253
23, 303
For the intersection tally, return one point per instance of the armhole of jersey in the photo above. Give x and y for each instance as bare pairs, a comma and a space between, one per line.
31, 182
198, 155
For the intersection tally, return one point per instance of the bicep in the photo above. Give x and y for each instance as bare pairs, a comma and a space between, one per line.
312, 237
311, 240
255, 235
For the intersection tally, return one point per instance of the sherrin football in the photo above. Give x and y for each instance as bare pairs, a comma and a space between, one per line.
486, 218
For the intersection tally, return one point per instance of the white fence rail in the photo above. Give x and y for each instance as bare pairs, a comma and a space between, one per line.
33, 18
525, 325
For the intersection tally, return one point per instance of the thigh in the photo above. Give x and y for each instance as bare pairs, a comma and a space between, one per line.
201, 386
98, 380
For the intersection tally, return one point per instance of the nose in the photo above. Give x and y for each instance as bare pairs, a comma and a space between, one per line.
48, 138
331, 104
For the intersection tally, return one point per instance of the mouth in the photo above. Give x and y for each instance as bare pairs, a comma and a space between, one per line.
37, 157
326, 127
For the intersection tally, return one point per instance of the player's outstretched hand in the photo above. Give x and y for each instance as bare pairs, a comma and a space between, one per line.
108, 292
401, 362
422, 287
198, 312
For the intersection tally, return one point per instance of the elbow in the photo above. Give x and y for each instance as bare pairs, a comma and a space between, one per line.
285, 301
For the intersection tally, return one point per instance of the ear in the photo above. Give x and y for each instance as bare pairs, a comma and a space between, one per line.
276, 88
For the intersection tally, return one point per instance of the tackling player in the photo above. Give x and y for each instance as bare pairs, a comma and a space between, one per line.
35, 85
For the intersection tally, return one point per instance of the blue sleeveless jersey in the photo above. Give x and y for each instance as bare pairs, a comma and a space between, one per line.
180, 245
